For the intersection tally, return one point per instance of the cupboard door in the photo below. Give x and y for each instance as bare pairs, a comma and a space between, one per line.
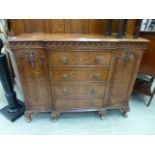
32, 66
124, 75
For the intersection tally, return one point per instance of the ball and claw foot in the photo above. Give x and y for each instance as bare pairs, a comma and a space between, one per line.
28, 117
54, 116
102, 117
28, 120
54, 119
125, 115
124, 112
102, 114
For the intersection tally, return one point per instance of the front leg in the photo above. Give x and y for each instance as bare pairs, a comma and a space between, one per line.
55, 116
124, 112
102, 114
28, 116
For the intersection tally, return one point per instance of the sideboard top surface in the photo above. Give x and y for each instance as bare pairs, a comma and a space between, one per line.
73, 37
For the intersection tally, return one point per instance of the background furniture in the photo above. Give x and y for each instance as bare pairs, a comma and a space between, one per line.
84, 26
147, 67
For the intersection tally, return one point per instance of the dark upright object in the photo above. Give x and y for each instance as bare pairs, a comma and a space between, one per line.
108, 27
15, 109
137, 32
122, 28
144, 87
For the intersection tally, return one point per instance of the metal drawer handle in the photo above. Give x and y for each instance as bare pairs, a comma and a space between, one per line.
96, 77
98, 60
65, 76
66, 92
65, 60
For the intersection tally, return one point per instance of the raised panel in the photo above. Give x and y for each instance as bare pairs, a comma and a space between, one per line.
17, 26
77, 26
97, 26
58, 25
37, 25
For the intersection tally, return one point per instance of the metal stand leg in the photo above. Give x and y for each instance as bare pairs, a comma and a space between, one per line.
15, 108
144, 87
151, 98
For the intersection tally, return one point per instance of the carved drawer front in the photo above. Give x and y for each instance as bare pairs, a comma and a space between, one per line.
73, 103
80, 58
82, 74
79, 90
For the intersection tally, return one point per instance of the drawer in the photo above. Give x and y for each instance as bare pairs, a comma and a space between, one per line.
73, 103
82, 74
79, 89
80, 58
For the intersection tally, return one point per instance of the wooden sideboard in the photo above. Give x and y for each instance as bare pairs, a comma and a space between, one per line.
76, 72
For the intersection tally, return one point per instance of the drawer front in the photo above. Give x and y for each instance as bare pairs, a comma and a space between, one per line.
80, 58
79, 90
74, 103
83, 74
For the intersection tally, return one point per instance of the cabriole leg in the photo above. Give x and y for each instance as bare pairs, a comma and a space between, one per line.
28, 116
102, 114
124, 112
55, 116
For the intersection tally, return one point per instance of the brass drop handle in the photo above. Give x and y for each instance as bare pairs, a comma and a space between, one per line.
66, 92
98, 60
128, 56
65, 76
65, 60
96, 77
32, 58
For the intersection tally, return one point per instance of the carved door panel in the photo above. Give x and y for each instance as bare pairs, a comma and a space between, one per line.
32, 66
124, 74
125, 63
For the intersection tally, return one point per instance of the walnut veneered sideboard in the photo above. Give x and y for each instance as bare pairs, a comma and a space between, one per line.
76, 72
